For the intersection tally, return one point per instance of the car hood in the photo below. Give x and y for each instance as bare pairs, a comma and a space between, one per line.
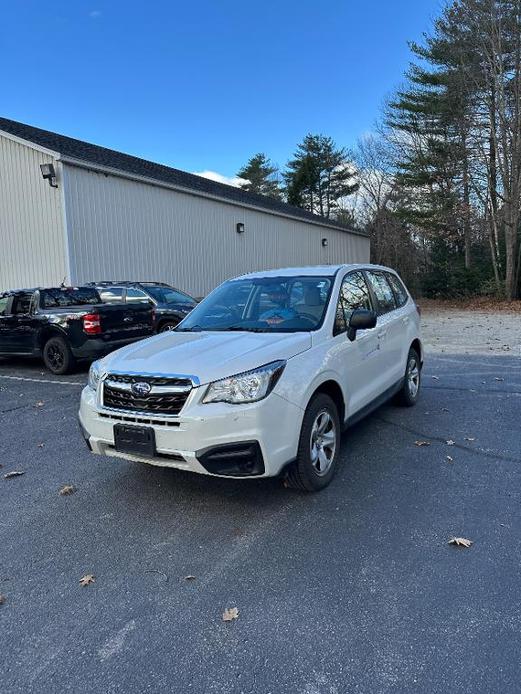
208, 356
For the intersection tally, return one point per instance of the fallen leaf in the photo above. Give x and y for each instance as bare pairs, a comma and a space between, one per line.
470, 438
67, 489
435, 378
2, 599
460, 542
497, 378
40, 403
422, 443
450, 442
445, 409
450, 459
14, 473
230, 614
41, 445
87, 580
189, 578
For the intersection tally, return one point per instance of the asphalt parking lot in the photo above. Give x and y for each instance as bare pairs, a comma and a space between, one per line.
351, 590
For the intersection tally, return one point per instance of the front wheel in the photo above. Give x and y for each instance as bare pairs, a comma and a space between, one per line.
408, 395
57, 356
318, 448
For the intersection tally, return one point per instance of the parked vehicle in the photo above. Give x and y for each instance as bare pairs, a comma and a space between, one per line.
262, 376
171, 305
67, 323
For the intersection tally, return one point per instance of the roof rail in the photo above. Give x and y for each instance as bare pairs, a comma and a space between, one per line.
110, 283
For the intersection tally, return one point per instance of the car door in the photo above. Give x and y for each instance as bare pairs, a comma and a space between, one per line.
358, 362
389, 327
24, 323
6, 323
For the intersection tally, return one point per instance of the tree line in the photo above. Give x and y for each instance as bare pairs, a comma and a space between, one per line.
438, 183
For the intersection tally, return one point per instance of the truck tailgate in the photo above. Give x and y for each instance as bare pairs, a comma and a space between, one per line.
126, 321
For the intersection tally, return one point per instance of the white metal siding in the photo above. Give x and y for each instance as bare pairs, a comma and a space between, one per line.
32, 237
123, 229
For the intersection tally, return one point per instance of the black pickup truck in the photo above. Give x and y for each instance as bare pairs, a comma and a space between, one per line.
66, 324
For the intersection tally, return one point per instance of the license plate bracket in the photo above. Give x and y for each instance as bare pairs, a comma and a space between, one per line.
135, 440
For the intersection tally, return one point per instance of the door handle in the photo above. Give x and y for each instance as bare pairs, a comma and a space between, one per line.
382, 334
128, 319
405, 319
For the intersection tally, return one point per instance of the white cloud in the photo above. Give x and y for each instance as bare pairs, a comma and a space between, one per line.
95, 14
220, 178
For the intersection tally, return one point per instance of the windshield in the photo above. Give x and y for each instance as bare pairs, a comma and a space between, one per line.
167, 295
69, 296
263, 304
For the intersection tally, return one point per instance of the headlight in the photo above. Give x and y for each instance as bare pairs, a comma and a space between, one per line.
249, 386
94, 375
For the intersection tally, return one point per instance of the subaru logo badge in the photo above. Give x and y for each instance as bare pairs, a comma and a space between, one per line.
141, 388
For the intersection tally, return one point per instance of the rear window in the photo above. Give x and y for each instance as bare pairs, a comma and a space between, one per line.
382, 289
69, 296
399, 290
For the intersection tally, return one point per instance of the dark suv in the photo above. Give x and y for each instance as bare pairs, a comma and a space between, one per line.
171, 305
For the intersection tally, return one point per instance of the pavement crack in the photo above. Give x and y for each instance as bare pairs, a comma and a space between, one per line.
440, 439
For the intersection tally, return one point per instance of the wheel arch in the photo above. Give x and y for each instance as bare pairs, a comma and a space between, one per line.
417, 346
333, 389
48, 332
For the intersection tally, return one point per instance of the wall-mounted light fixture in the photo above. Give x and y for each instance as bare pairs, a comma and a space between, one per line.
325, 242
240, 228
49, 173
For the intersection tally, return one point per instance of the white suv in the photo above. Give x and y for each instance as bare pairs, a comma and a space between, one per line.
262, 376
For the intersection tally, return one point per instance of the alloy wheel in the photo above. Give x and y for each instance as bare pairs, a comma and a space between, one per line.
413, 377
323, 442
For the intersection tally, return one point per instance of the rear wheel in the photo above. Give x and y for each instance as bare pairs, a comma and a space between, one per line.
318, 446
57, 356
408, 395
167, 326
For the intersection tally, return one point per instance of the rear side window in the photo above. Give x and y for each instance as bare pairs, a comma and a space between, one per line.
112, 295
134, 295
399, 290
69, 296
354, 294
3, 304
382, 290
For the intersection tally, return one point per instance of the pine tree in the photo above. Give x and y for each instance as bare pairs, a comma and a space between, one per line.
319, 176
260, 176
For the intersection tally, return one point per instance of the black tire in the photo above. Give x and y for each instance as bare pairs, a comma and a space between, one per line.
167, 325
304, 473
57, 356
410, 391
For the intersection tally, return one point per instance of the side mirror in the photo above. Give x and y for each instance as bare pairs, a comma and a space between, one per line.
361, 319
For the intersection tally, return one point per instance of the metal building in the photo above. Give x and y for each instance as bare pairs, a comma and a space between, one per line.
73, 211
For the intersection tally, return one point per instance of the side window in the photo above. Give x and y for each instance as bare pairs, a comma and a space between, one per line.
134, 295
3, 304
399, 290
383, 291
111, 295
22, 304
353, 294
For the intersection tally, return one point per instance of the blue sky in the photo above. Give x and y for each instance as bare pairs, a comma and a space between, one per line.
203, 85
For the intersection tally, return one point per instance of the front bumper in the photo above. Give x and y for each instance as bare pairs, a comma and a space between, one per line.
205, 438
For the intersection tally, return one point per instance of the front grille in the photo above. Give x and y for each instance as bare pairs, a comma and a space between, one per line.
167, 395
153, 380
